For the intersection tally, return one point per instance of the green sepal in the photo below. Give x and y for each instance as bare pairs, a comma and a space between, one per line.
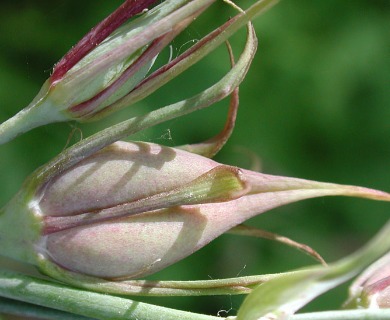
21, 227
228, 286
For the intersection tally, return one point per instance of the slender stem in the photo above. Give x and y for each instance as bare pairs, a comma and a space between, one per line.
23, 121
85, 303
18, 308
39, 112
23, 309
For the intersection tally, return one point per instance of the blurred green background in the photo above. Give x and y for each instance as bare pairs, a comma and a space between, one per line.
315, 104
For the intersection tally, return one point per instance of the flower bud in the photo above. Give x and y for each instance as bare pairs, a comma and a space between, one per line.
372, 288
106, 65
132, 209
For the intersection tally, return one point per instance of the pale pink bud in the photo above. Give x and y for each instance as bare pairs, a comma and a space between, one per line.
132, 209
372, 288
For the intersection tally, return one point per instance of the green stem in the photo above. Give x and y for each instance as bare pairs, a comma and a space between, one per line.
89, 304
17, 125
39, 112
18, 308
23, 309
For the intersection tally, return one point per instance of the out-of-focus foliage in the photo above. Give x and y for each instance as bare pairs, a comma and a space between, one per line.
316, 105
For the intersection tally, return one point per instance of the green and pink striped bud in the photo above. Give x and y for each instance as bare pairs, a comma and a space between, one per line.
95, 76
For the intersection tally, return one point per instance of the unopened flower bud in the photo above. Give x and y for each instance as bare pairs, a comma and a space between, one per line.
106, 65
132, 209
372, 288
